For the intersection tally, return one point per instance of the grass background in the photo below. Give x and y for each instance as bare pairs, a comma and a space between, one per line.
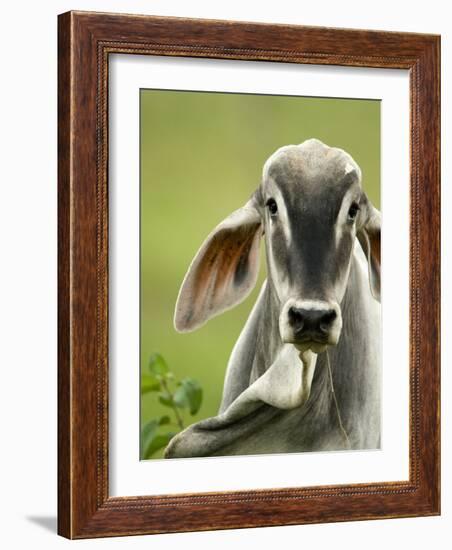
201, 158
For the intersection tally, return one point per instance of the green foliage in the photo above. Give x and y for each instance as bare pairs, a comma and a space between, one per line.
177, 395
189, 394
157, 365
149, 384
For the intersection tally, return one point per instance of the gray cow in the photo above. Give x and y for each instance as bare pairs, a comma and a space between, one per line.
304, 374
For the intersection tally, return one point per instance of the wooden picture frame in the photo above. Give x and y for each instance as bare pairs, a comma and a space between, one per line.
85, 42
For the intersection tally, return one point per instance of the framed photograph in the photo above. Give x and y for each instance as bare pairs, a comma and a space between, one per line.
249, 263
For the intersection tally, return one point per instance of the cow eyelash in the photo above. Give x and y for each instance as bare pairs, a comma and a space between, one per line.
272, 206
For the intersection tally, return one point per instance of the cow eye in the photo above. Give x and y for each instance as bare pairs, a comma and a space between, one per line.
353, 211
272, 207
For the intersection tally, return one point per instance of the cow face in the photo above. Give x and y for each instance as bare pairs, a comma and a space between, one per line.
311, 208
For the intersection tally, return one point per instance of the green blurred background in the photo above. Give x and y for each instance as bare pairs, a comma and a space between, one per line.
201, 158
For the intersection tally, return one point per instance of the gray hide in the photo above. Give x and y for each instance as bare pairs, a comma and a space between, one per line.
322, 247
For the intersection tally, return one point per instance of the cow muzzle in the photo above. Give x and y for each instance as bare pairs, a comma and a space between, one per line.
310, 324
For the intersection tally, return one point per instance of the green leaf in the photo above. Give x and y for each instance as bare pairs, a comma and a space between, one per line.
149, 383
149, 436
158, 443
158, 365
180, 397
148, 433
193, 394
166, 399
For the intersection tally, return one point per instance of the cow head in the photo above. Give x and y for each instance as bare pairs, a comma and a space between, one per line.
310, 208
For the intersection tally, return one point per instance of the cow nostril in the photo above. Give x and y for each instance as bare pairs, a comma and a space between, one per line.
296, 319
326, 320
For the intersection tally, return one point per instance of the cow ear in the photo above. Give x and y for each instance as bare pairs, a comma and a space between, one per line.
369, 238
223, 272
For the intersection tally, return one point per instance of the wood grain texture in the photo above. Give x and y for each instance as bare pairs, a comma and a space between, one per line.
85, 42
64, 295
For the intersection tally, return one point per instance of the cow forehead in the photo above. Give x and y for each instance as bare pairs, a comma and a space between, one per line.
312, 167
